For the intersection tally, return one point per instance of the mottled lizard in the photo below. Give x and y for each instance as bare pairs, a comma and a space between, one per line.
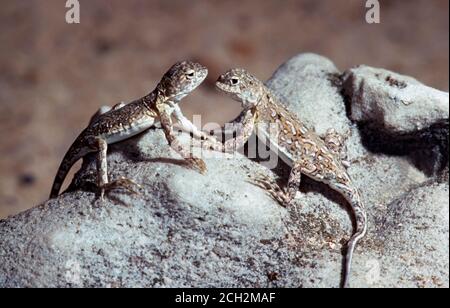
125, 121
304, 151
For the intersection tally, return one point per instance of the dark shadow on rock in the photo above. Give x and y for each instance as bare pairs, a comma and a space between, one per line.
83, 178
426, 149
134, 153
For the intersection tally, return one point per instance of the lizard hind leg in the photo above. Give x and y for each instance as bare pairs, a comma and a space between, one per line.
102, 173
336, 143
286, 196
271, 187
334, 140
104, 109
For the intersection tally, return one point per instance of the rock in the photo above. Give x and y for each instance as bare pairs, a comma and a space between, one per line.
306, 83
185, 229
393, 102
416, 252
217, 230
398, 115
382, 172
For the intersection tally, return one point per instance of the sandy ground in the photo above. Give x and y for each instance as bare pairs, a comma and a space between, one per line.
55, 75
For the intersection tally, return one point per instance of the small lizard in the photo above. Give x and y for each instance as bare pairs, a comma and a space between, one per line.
301, 148
124, 121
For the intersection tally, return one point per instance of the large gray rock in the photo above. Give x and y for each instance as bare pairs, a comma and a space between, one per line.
217, 230
185, 229
393, 102
307, 83
416, 248
399, 115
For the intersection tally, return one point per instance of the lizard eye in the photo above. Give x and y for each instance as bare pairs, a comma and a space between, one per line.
190, 74
234, 81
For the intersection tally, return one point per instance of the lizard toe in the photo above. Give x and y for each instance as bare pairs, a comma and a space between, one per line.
121, 183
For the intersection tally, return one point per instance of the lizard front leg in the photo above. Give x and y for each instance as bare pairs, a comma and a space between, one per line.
336, 143
102, 171
189, 127
245, 130
167, 126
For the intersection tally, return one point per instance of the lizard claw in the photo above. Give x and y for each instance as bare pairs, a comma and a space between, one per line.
211, 143
121, 182
197, 163
271, 187
206, 136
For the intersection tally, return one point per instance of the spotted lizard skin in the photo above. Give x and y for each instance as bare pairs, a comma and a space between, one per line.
125, 121
300, 147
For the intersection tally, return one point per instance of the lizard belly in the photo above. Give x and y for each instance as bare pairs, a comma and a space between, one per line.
282, 153
129, 131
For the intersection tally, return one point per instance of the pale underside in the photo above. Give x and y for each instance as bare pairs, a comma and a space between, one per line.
139, 125
130, 131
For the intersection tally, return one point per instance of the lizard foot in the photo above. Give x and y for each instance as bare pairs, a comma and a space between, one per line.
197, 163
209, 143
123, 183
271, 187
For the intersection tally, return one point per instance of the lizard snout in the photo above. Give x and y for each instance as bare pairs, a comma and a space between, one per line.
221, 79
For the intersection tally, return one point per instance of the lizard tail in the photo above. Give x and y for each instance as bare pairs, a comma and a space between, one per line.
354, 198
71, 157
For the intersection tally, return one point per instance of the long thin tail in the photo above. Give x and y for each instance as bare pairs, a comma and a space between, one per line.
354, 198
71, 157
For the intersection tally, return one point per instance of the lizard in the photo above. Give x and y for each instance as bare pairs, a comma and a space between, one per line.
300, 147
124, 121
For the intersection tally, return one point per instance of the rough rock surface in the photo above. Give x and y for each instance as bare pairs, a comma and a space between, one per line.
217, 230
185, 229
399, 115
305, 83
393, 102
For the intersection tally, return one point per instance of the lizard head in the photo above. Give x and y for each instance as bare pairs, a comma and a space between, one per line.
241, 86
181, 79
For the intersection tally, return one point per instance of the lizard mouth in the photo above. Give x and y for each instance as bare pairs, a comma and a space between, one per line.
224, 87
228, 90
203, 74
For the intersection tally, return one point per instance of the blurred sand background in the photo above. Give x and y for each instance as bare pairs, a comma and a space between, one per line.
54, 76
